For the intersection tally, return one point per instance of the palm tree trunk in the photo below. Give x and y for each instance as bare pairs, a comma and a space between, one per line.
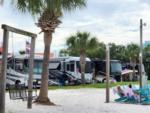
134, 74
94, 75
43, 95
82, 64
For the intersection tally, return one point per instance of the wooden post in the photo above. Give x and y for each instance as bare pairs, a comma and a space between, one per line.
3, 71
141, 51
107, 74
30, 81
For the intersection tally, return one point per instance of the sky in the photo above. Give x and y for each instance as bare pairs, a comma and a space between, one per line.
111, 21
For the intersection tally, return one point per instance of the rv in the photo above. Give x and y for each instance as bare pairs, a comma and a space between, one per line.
11, 75
71, 67
100, 70
59, 68
18, 67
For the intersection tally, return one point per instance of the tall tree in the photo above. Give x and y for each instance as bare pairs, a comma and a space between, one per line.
63, 52
48, 13
98, 52
101, 51
80, 44
132, 52
120, 53
146, 60
1, 2
113, 50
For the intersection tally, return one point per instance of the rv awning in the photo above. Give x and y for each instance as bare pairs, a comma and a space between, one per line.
127, 71
53, 65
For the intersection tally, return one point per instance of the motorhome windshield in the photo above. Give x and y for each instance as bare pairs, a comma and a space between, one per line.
88, 67
22, 65
116, 67
37, 67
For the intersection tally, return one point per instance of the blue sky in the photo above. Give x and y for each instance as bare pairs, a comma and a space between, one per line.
115, 21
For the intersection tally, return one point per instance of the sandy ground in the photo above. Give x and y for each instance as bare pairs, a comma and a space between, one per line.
76, 101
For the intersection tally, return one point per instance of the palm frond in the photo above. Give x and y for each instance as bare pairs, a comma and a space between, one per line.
82, 42
36, 7
1, 2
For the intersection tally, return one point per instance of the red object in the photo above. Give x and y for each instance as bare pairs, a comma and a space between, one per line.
51, 55
1, 49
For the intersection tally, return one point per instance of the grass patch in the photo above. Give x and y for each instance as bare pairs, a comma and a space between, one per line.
97, 85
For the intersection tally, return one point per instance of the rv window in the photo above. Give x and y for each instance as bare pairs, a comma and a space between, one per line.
72, 67
78, 66
37, 67
88, 67
116, 67
67, 67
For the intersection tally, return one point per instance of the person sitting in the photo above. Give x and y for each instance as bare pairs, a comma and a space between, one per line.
17, 84
128, 91
120, 91
126, 94
130, 94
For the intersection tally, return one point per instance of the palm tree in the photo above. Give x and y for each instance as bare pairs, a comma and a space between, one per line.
81, 44
100, 53
132, 51
1, 2
48, 13
63, 52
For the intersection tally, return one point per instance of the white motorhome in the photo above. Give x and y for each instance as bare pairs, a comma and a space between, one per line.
18, 67
71, 65
12, 75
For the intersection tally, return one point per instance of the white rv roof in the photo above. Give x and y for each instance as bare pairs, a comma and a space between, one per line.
28, 56
76, 59
52, 59
68, 58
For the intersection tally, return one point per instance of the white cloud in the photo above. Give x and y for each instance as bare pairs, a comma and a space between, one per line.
109, 20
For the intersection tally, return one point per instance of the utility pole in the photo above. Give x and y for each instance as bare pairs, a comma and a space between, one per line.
141, 51
107, 74
30, 81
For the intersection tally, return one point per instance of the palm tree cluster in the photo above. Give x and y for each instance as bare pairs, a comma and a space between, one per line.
128, 53
125, 53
